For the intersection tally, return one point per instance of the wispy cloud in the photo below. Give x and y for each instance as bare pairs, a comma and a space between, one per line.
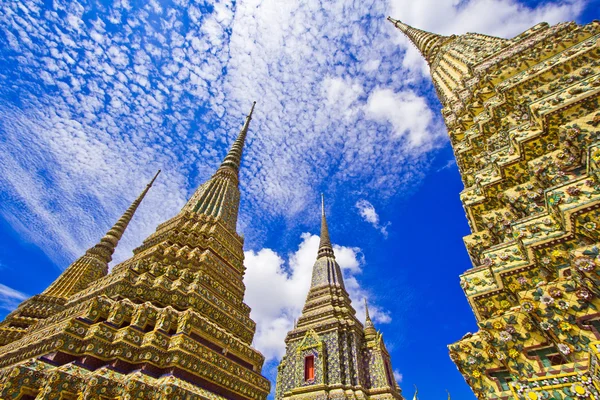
502, 18
270, 276
369, 214
398, 376
10, 298
108, 94
449, 164
97, 97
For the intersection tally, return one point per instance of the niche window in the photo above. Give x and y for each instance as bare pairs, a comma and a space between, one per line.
309, 368
593, 323
548, 356
503, 377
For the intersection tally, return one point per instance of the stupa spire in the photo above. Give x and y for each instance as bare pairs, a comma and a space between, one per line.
326, 271
325, 248
370, 331
219, 197
94, 263
368, 321
105, 249
428, 43
415, 397
329, 337
234, 157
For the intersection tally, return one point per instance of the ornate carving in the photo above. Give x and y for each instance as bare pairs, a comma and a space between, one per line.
170, 322
533, 203
349, 362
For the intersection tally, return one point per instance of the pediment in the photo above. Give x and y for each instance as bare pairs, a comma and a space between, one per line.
311, 340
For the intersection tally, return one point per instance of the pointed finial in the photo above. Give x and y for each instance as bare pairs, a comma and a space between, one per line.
94, 263
251, 110
447, 391
153, 179
219, 197
325, 248
233, 159
416, 393
428, 43
399, 24
393, 21
107, 245
369, 327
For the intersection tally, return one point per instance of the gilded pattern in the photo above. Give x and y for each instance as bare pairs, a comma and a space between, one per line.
350, 361
523, 119
168, 323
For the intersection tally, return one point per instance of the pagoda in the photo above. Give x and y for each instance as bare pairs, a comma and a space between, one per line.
523, 117
168, 323
329, 353
88, 268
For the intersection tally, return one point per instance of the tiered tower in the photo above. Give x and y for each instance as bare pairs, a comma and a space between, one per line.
523, 117
168, 323
329, 355
88, 268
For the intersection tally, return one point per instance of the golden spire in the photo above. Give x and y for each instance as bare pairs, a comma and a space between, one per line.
428, 43
219, 196
94, 263
368, 322
416, 393
370, 330
325, 249
233, 159
326, 271
106, 248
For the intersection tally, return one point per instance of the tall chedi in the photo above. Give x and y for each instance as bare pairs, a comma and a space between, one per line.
523, 116
168, 323
329, 354
88, 268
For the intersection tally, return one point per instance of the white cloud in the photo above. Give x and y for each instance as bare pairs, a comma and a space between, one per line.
408, 113
341, 94
502, 18
45, 184
313, 72
10, 298
276, 290
398, 376
88, 113
450, 163
369, 214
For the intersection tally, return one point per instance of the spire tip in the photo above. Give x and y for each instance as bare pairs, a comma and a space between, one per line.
153, 179
251, 110
325, 248
368, 322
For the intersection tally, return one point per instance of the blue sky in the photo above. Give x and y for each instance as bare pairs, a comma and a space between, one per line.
95, 97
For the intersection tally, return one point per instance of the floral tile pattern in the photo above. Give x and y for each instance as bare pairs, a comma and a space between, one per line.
523, 118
